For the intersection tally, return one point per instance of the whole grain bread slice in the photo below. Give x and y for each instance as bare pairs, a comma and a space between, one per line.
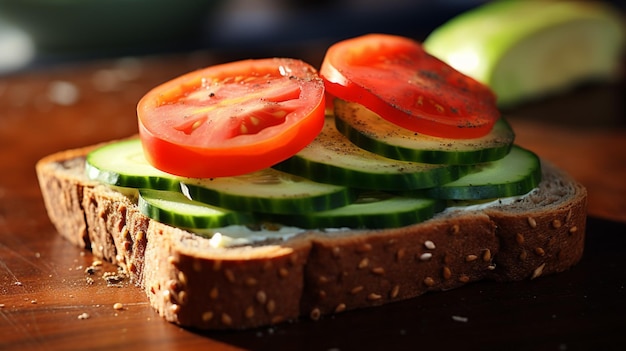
193, 284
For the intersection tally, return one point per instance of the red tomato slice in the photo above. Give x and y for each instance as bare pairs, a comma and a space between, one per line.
233, 118
394, 77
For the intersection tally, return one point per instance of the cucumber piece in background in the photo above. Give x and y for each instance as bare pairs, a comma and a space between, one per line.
530, 49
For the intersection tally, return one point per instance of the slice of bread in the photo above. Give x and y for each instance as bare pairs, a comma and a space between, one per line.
193, 284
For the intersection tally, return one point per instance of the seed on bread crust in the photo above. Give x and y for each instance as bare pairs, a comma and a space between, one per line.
249, 313
573, 229
556, 223
519, 238
487, 255
363, 263
400, 254
227, 319
374, 297
261, 297
356, 289
207, 316
229, 275
340, 308
214, 293
463, 278
378, 270
532, 222
429, 281
470, 258
394, 291
283, 272
426, 256
429, 245
538, 271
315, 314
455, 229
270, 306
540, 251
446, 273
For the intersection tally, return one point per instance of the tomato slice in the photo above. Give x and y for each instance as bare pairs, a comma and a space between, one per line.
394, 77
233, 118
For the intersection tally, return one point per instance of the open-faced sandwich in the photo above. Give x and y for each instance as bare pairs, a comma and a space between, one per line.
258, 192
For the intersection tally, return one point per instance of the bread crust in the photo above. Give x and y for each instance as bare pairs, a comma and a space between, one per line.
319, 273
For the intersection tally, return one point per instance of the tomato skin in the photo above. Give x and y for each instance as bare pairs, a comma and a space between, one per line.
394, 77
233, 118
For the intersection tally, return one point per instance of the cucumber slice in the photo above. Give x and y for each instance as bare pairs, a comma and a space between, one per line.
371, 132
373, 210
332, 158
529, 49
123, 164
269, 191
173, 208
516, 174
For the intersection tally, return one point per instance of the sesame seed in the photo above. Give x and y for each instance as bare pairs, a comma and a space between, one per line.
464, 278
83, 316
455, 229
540, 251
556, 224
321, 294
270, 306
532, 222
182, 278
322, 279
446, 272
374, 297
523, 255
207, 316
250, 281
460, 319
569, 216
400, 254
356, 290
519, 238
277, 319
426, 256
378, 270
364, 263
394, 291
428, 281
429, 245
249, 312
283, 272
214, 293
230, 276
183, 298
538, 271
470, 258
491, 267
573, 229
261, 297
487, 255
336, 251
226, 319
315, 314
118, 306
340, 308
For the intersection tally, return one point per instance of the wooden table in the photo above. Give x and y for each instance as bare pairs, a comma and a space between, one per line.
48, 301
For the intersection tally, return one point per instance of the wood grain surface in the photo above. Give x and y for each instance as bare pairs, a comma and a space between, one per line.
54, 296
